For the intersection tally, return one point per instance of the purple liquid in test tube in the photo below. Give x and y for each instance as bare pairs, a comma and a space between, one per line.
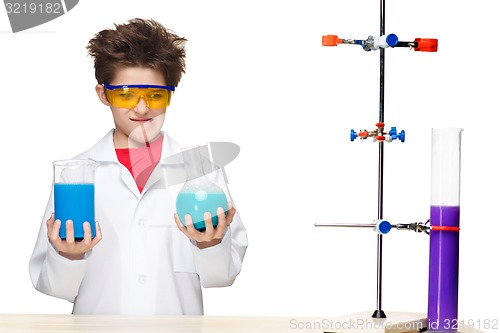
443, 270
442, 309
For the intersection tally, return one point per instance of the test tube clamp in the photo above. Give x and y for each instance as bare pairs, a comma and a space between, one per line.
383, 227
379, 135
385, 41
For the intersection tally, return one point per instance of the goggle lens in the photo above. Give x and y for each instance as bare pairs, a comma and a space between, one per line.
156, 97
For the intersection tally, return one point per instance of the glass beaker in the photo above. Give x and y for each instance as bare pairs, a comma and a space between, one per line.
74, 193
199, 194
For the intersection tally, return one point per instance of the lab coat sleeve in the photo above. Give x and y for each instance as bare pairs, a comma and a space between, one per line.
51, 273
219, 265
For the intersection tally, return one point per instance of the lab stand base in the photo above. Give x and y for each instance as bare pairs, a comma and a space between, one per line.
396, 322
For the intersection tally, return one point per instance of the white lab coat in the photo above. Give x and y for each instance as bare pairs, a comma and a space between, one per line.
144, 264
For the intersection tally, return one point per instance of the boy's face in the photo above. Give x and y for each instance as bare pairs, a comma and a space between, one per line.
137, 125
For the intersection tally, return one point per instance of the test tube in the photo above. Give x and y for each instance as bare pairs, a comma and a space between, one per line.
442, 311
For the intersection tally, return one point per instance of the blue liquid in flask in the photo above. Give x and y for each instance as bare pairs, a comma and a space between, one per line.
74, 202
199, 202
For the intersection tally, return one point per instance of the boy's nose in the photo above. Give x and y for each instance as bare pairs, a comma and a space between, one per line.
141, 107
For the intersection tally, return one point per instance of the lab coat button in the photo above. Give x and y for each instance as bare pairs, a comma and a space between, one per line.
142, 279
142, 222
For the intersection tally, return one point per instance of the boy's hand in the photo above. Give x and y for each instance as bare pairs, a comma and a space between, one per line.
68, 248
210, 236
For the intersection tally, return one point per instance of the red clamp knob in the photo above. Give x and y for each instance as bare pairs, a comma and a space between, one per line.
331, 40
380, 138
363, 134
380, 125
426, 44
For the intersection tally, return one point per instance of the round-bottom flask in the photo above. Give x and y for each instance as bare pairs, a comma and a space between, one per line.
199, 194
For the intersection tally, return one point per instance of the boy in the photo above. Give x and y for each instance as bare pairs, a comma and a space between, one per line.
148, 262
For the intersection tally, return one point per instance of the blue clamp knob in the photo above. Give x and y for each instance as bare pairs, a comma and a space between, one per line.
394, 134
383, 227
391, 40
354, 135
401, 135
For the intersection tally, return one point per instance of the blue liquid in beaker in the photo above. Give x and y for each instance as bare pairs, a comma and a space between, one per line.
197, 203
74, 202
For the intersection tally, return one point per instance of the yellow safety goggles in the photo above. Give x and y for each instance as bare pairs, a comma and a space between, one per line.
128, 96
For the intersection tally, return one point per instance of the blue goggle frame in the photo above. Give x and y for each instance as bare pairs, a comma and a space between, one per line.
111, 87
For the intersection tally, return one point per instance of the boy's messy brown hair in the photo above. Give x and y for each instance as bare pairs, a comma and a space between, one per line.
138, 43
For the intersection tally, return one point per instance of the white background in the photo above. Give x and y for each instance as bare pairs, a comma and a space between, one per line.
258, 76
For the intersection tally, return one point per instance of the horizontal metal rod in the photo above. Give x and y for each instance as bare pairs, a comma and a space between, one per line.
348, 225
415, 226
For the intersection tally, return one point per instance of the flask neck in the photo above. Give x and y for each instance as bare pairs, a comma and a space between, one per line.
193, 163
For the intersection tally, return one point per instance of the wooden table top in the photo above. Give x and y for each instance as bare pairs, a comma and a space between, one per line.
45, 323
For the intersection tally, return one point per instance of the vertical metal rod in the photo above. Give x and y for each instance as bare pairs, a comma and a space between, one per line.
379, 313
382, 62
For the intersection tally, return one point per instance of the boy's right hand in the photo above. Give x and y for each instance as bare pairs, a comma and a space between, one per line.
68, 248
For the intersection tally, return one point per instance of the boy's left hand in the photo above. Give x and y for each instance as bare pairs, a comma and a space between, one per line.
211, 236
